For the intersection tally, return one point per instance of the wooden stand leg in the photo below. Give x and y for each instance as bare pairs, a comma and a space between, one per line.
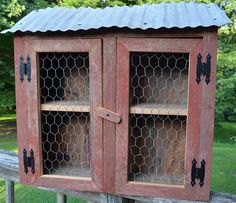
61, 198
9, 191
114, 199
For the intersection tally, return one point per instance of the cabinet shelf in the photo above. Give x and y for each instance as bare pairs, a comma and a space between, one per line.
75, 171
160, 109
75, 106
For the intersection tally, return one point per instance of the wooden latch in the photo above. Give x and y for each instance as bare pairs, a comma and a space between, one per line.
109, 115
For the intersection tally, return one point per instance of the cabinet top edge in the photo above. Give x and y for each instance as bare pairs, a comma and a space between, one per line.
103, 33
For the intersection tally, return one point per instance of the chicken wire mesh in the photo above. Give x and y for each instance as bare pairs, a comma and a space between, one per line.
64, 77
157, 148
65, 117
159, 78
157, 124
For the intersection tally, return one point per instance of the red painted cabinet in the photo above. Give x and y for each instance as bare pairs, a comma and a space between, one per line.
123, 114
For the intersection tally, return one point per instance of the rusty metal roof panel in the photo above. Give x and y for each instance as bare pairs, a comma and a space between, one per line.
147, 16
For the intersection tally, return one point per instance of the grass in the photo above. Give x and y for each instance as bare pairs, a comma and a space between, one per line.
223, 178
8, 132
28, 194
223, 163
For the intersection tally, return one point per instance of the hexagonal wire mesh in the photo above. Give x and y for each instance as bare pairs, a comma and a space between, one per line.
157, 141
65, 117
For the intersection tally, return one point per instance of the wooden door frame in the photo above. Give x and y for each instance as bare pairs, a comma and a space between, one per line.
21, 105
182, 45
34, 45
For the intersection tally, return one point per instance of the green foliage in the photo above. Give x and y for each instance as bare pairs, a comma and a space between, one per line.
7, 98
226, 82
10, 12
80, 3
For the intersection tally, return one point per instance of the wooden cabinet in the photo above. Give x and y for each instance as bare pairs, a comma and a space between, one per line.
120, 114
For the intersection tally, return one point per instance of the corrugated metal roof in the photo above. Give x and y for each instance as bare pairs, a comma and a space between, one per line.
154, 16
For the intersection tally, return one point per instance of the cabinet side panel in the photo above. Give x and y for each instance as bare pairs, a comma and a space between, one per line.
21, 105
207, 112
109, 102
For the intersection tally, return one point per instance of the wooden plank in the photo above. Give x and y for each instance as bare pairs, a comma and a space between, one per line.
215, 198
193, 122
122, 108
13, 166
160, 109
61, 198
21, 104
117, 199
109, 102
9, 160
170, 45
108, 198
108, 115
10, 197
66, 106
59, 44
207, 113
95, 61
117, 33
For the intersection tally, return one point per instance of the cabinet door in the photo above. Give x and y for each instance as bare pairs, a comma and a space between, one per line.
63, 131
159, 101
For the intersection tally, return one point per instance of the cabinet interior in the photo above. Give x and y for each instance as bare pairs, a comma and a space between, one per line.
65, 113
158, 115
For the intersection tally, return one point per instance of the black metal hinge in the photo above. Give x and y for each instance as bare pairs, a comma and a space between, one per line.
198, 173
28, 161
25, 68
203, 68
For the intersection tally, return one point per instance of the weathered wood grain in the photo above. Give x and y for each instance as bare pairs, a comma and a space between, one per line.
21, 102
207, 112
109, 102
61, 198
10, 197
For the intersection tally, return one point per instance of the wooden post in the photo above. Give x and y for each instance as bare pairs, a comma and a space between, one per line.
9, 191
61, 198
114, 199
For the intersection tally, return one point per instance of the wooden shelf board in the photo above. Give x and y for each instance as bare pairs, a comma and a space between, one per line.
79, 172
75, 106
160, 109
159, 179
